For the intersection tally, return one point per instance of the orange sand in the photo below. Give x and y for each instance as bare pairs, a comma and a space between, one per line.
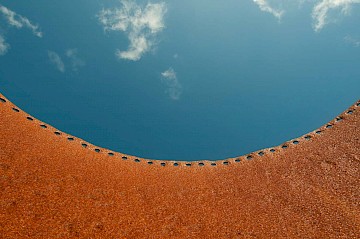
53, 187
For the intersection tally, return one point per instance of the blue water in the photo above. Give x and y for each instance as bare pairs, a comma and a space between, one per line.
247, 80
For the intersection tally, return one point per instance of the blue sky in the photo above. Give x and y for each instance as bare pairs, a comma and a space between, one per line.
181, 80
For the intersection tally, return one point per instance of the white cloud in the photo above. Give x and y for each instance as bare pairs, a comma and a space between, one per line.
174, 88
141, 24
353, 41
19, 21
4, 47
76, 62
321, 11
56, 60
265, 6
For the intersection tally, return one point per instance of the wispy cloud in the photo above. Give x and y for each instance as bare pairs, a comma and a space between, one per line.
322, 12
141, 24
322, 9
19, 21
15, 20
353, 41
265, 6
174, 88
76, 62
56, 60
3, 46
